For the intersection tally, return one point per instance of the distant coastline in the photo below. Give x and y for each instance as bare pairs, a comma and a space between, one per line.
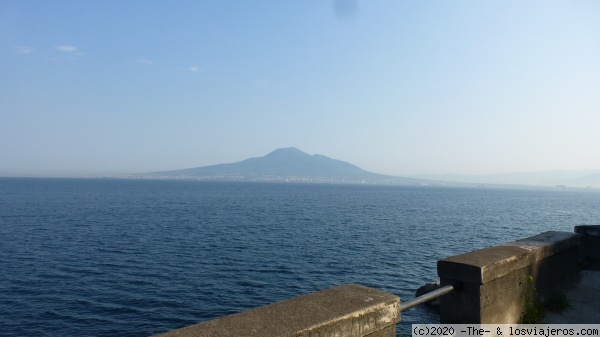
295, 166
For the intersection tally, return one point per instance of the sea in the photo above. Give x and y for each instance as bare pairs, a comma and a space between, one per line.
116, 257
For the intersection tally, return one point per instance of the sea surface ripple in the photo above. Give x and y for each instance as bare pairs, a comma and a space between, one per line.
101, 257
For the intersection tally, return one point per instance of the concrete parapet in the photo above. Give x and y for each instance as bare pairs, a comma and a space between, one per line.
348, 310
590, 243
495, 280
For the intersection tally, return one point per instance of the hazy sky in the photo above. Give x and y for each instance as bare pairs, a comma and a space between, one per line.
395, 87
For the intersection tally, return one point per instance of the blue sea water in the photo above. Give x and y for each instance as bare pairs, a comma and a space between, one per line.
101, 257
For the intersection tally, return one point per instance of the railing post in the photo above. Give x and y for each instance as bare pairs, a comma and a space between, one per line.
427, 297
496, 280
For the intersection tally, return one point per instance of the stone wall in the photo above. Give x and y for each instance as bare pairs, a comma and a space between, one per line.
348, 311
590, 244
495, 281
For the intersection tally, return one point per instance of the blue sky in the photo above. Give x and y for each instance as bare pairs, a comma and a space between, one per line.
395, 87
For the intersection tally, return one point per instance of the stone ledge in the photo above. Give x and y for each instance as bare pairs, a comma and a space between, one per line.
484, 265
593, 230
590, 252
547, 243
348, 310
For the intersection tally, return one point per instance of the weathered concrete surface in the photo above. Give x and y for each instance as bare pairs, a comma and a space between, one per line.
552, 252
547, 243
496, 280
584, 301
483, 265
348, 310
487, 264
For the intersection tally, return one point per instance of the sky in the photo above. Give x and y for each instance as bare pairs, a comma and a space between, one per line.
393, 86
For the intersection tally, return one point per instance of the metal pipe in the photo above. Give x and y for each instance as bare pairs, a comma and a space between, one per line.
426, 298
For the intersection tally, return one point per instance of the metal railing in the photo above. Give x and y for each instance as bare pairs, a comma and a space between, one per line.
429, 296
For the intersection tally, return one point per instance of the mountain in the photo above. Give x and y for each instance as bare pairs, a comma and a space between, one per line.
580, 179
287, 164
592, 180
